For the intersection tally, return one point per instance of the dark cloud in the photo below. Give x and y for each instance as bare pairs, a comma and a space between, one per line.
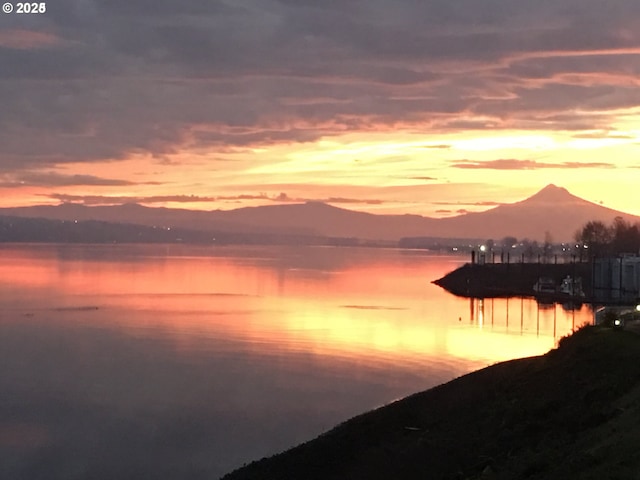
476, 204
540, 100
622, 65
438, 147
514, 164
155, 199
51, 179
604, 135
102, 79
352, 200
118, 200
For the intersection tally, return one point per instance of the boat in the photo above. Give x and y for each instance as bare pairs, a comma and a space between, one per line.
572, 286
544, 285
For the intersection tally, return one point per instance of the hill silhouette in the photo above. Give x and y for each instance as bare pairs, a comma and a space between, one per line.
553, 209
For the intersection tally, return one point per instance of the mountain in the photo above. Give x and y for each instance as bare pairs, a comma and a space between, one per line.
311, 219
327, 220
140, 215
553, 209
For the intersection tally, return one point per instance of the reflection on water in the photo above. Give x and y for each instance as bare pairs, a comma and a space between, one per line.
175, 361
548, 316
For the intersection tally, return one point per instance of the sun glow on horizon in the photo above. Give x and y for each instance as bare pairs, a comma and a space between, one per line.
379, 172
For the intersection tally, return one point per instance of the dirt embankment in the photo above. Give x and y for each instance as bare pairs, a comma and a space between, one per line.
572, 413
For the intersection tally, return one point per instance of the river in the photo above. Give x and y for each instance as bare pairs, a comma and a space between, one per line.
186, 362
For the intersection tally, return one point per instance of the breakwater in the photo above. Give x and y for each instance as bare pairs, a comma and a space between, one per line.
512, 279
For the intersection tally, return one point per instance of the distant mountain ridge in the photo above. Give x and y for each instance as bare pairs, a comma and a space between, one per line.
553, 209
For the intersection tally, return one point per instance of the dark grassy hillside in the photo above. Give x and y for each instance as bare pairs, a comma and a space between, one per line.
572, 413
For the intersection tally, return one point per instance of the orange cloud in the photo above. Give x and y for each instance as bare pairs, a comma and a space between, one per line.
28, 39
513, 164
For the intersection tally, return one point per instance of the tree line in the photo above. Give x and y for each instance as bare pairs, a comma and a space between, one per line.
601, 239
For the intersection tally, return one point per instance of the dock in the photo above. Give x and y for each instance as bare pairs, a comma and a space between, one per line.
494, 280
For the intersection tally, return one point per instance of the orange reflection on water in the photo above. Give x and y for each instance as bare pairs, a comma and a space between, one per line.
358, 303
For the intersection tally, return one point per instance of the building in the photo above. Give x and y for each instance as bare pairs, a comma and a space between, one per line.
617, 278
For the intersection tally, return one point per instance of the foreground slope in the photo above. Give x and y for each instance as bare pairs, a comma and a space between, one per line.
572, 413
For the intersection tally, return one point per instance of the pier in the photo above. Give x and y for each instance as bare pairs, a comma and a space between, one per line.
492, 280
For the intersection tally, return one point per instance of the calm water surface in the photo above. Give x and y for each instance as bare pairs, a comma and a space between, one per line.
186, 362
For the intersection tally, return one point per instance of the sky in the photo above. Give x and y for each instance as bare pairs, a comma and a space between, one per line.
431, 107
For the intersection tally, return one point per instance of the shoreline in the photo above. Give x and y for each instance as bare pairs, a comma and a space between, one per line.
565, 414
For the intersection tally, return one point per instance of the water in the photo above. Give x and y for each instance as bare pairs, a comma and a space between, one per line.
121, 362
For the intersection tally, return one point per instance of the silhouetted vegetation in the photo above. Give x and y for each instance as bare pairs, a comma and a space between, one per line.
601, 239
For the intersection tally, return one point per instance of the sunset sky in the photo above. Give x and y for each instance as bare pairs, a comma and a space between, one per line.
423, 106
